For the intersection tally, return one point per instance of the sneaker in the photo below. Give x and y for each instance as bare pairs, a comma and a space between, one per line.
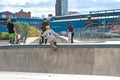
9, 41
55, 49
12, 42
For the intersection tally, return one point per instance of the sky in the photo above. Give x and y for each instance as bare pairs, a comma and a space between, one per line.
44, 7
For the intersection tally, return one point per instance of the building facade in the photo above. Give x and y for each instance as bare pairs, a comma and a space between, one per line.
58, 8
22, 14
7, 14
61, 7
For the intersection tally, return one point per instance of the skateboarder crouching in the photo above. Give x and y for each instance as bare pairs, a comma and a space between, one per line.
51, 36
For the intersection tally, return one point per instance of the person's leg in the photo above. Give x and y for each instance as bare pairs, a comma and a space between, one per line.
9, 38
52, 43
16, 39
45, 39
12, 37
69, 37
42, 39
72, 37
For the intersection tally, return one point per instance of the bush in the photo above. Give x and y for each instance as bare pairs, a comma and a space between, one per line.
5, 36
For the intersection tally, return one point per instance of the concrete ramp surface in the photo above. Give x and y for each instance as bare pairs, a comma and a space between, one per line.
60, 39
30, 40
35, 40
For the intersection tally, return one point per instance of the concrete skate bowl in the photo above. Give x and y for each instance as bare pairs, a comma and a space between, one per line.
61, 40
68, 59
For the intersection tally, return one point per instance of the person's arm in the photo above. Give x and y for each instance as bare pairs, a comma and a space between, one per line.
14, 28
55, 33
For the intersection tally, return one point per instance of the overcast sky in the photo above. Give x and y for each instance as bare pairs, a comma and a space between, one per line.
44, 7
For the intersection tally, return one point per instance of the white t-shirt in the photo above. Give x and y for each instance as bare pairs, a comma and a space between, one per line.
50, 34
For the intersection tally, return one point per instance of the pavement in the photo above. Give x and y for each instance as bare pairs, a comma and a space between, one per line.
3, 42
31, 41
44, 76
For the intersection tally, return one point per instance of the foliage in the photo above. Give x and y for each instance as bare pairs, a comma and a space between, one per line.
18, 27
0, 35
34, 32
4, 36
25, 30
22, 29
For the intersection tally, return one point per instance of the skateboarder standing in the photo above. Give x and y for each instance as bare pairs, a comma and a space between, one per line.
43, 27
11, 31
70, 32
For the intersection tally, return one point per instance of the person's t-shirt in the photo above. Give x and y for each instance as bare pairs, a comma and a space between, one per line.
70, 29
50, 34
10, 27
44, 24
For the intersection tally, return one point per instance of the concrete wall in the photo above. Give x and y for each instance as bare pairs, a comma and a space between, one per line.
106, 61
97, 61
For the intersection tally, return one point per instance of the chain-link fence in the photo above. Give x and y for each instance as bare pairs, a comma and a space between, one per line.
98, 33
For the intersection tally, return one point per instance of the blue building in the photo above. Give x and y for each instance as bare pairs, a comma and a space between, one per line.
93, 19
31, 21
7, 14
59, 23
3, 18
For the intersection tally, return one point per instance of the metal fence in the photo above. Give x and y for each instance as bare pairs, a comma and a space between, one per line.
98, 33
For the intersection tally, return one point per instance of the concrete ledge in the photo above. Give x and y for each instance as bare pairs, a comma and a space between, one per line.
64, 46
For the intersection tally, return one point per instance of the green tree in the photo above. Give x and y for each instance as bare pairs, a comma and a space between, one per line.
25, 30
18, 27
34, 32
0, 35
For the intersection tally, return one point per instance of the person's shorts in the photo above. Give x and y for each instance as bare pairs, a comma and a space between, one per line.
12, 35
